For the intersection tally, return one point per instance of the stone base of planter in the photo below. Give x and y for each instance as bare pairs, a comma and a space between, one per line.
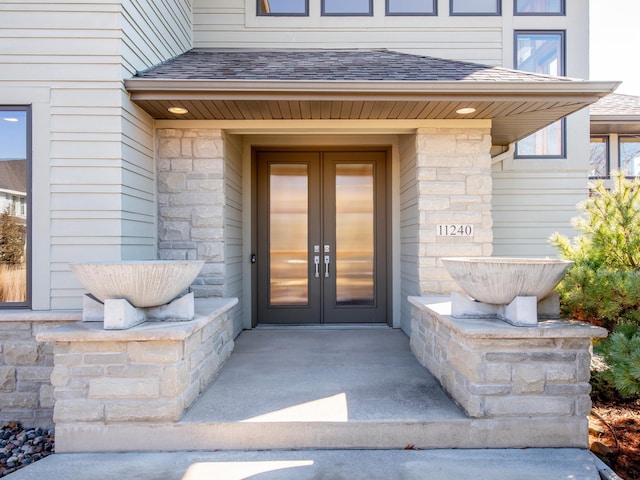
149, 373
495, 370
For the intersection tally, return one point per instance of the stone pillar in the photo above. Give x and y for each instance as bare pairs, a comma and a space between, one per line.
454, 187
191, 198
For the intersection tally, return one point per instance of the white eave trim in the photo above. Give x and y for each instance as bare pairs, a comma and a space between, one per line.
136, 86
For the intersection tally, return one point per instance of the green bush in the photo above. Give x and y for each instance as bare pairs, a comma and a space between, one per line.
621, 352
603, 285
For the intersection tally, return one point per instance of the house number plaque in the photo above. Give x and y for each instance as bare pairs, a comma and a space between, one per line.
454, 230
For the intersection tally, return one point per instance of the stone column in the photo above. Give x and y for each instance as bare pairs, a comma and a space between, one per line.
454, 188
191, 199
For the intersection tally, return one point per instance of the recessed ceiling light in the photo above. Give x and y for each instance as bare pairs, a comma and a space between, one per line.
465, 110
178, 110
10, 119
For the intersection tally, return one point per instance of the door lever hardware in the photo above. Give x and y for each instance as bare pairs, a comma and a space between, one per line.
327, 260
316, 260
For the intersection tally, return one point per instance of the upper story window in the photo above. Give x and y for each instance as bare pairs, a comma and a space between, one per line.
411, 7
539, 7
283, 7
15, 158
599, 157
347, 7
615, 152
542, 52
629, 152
475, 7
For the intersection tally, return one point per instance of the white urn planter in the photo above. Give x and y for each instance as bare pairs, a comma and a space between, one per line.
130, 292
508, 287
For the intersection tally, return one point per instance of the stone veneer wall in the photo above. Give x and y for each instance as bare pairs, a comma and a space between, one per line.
453, 187
495, 370
191, 198
26, 393
150, 373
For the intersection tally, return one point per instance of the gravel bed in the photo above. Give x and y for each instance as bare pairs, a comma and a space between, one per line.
21, 446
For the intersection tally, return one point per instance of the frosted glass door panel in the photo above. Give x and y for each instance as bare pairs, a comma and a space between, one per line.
289, 227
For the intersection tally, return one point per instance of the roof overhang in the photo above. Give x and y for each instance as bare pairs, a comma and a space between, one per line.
516, 109
622, 124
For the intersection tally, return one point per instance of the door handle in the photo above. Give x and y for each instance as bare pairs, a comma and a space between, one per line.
316, 260
327, 260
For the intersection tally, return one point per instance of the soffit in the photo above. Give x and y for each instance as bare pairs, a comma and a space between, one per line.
356, 84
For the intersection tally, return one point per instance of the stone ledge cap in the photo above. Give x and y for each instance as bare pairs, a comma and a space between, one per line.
19, 315
495, 328
207, 310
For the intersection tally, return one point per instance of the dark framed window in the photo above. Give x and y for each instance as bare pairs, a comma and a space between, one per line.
411, 7
548, 142
599, 157
15, 206
539, 7
283, 7
542, 52
629, 154
475, 7
347, 7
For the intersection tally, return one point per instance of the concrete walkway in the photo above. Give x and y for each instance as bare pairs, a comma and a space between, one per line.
531, 464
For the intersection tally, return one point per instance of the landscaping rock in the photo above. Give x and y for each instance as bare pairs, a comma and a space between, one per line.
21, 446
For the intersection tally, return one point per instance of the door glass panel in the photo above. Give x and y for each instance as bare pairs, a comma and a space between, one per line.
354, 234
289, 227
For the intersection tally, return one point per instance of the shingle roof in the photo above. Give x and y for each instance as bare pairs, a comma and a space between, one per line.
329, 65
616, 104
13, 175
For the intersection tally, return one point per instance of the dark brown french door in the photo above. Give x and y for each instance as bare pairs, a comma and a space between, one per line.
321, 237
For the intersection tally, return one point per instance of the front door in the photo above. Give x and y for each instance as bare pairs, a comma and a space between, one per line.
321, 237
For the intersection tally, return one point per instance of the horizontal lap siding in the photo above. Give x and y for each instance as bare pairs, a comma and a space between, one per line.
152, 31
229, 25
98, 153
409, 219
529, 207
233, 241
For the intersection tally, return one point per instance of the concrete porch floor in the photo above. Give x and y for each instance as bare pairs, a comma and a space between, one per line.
330, 374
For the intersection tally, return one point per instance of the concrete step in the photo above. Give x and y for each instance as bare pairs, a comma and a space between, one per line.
436, 434
530, 464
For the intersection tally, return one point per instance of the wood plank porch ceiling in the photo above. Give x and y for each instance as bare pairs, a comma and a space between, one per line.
356, 84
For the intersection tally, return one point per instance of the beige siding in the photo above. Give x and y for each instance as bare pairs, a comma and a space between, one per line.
409, 219
234, 24
233, 225
152, 31
91, 144
529, 206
